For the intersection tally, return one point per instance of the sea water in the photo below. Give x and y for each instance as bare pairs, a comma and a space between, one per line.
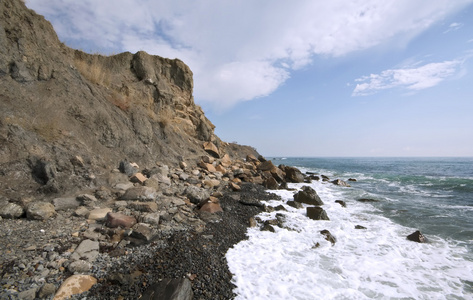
433, 195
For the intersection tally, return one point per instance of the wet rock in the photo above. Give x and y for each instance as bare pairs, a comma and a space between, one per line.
328, 236
114, 220
367, 200
268, 227
170, 289
293, 175
316, 213
352, 179
308, 196
76, 284
341, 202
417, 237
295, 204
87, 250
11, 211
340, 183
359, 227
40, 211
271, 183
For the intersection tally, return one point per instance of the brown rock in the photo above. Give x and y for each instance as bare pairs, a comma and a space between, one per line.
11, 211
138, 178
99, 213
417, 237
266, 166
114, 220
235, 187
221, 169
316, 213
209, 167
211, 149
252, 158
226, 161
77, 161
211, 207
271, 183
294, 175
144, 206
40, 211
76, 284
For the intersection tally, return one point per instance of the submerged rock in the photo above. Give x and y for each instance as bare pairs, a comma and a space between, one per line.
417, 237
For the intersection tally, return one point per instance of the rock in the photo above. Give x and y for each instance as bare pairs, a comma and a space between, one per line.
152, 218
29, 294
367, 200
328, 236
73, 285
340, 183
295, 204
211, 183
278, 174
211, 149
79, 266
144, 206
87, 250
183, 176
316, 213
11, 211
352, 179
138, 178
268, 227
169, 289
225, 161
208, 167
325, 178
359, 227
77, 161
308, 196
266, 166
211, 207
417, 237
293, 175
143, 231
196, 194
46, 290
66, 203
271, 183
341, 202
252, 222
86, 199
235, 187
114, 220
40, 210
140, 193
81, 211
128, 168
99, 213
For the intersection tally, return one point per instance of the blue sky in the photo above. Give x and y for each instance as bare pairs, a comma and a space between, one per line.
305, 78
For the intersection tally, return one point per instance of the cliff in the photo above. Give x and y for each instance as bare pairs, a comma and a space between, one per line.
66, 116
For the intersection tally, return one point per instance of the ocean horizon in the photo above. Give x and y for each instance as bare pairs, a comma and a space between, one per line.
431, 194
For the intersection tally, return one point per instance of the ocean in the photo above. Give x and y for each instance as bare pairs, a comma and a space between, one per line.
433, 195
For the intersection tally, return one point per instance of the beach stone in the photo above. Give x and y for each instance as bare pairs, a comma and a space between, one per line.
66, 203
316, 213
123, 186
271, 183
417, 237
211, 207
226, 161
328, 236
99, 213
152, 218
11, 211
235, 187
367, 200
46, 290
87, 250
211, 149
40, 211
144, 206
86, 199
81, 211
29, 294
196, 194
341, 202
114, 220
294, 204
340, 183
79, 266
141, 193
169, 289
73, 285
143, 231
211, 183
293, 175
209, 167
308, 196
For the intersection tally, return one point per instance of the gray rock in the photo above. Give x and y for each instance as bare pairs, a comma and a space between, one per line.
196, 194
170, 289
341, 202
328, 236
293, 175
66, 203
11, 211
140, 193
128, 168
295, 204
28, 294
316, 213
46, 290
308, 196
340, 183
40, 211
143, 232
152, 218
79, 266
87, 250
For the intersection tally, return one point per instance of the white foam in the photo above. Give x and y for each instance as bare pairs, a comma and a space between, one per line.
376, 263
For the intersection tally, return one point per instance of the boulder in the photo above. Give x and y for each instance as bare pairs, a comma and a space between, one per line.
417, 237
138, 178
169, 289
87, 250
325, 178
266, 166
235, 187
308, 196
295, 204
144, 206
128, 168
211, 149
251, 158
99, 213
352, 179
340, 183
328, 236
114, 220
278, 174
341, 202
208, 167
144, 232
359, 227
140, 193
316, 213
40, 211
225, 161
367, 200
196, 194
73, 285
211, 207
294, 175
66, 203
271, 183
11, 211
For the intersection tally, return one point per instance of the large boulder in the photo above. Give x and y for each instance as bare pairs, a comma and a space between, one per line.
211, 149
271, 183
316, 213
76, 284
308, 196
294, 175
266, 166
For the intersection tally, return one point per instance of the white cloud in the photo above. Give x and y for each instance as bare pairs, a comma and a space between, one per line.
410, 78
241, 50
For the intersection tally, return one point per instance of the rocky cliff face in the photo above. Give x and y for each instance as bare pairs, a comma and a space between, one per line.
66, 115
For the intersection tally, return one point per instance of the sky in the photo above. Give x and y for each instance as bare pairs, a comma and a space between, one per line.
308, 77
